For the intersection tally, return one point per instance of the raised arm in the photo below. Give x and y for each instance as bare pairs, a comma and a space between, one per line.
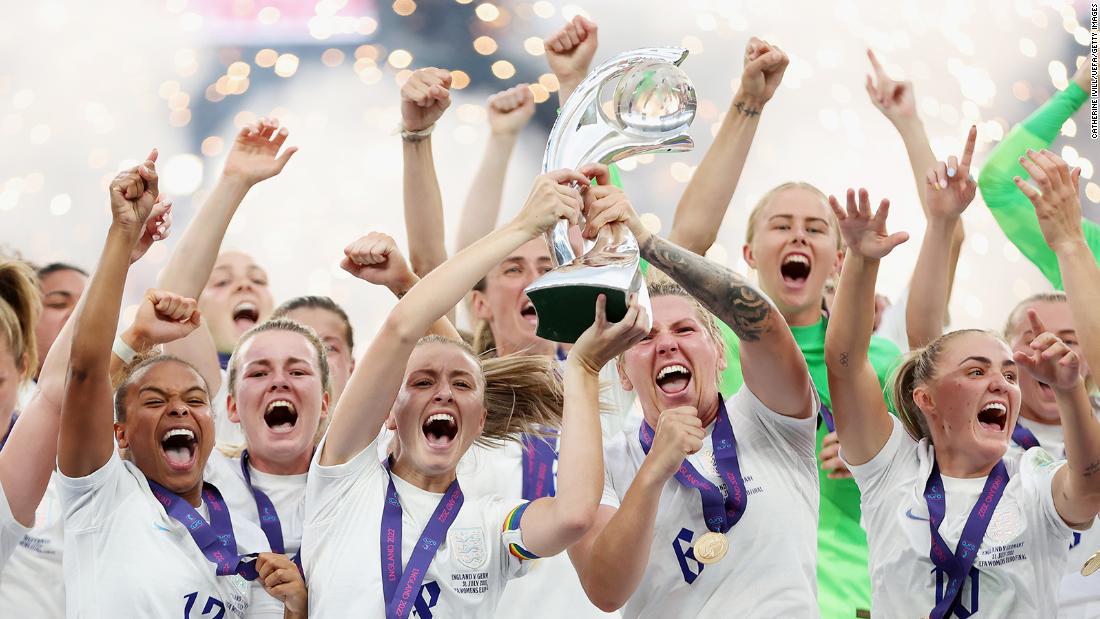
375, 258
771, 362
253, 158
86, 438
509, 112
424, 98
552, 524
569, 52
862, 421
1011, 209
948, 190
374, 384
1076, 486
708, 195
1058, 211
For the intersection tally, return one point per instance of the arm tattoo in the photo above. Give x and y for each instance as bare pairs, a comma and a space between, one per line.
1091, 469
844, 359
726, 294
746, 110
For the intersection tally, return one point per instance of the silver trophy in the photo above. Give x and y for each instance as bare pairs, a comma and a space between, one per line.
638, 102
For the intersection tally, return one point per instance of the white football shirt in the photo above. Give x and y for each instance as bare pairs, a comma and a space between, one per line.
340, 545
32, 584
10, 529
287, 494
125, 557
1079, 596
1022, 556
227, 433
770, 569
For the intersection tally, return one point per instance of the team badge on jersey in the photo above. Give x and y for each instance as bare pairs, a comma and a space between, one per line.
468, 547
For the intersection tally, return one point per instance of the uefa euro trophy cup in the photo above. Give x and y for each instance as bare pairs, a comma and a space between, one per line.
638, 102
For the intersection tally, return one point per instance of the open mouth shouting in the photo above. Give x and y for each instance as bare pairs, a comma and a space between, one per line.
527, 311
673, 379
440, 429
180, 448
281, 416
993, 417
795, 269
245, 315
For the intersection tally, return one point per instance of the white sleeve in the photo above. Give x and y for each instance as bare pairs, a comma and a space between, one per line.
327, 485
800, 434
615, 402
11, 532
89, 501
892, 465
1036, 471
610, 498
500, 514
893, 325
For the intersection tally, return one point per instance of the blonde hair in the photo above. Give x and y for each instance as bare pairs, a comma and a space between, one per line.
917, 369
1041, 297
523, 393
767, 198
20, 304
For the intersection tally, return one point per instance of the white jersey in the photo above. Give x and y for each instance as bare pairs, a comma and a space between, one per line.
1079, 597
1022, 556
226, 433
125, 557
32, 584
10, 529
340, 545
287, 494
770, 570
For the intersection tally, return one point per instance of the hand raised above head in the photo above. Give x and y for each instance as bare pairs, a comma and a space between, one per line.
511, 109
375, 258
133, 193
949, 187
254, 156
1057, 201
554, 196
1052, 361
894, 98
765, 64
865, 233
570, 50
604, 340
164, 317
158, 225
424, 98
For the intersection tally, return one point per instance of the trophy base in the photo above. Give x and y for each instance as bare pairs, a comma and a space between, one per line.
565, 312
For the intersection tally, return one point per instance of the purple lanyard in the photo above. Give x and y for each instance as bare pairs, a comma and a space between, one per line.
215, 538
269, 518
402, 585
720, 513
539, 454
1023, 437
957, 564
4, 439
827, 417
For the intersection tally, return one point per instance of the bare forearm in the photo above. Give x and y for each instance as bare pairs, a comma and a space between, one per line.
849, 332
29, 456
423, 207
711, 188
1082, 432
580, 454
94, 327
482, 208
931, 284
193, 259
617, 559
1081, 278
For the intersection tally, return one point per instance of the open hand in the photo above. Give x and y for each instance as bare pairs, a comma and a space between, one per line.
510, 110
255, 156
424, 98
949, 187
1056, 201
864, 233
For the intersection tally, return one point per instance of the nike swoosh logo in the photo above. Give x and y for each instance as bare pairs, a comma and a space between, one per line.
909, 514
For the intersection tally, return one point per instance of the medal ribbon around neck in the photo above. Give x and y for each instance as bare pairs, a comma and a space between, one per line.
400, 586
1024, 437
720, 513
957, 564
539, 454
269, 517
215, 538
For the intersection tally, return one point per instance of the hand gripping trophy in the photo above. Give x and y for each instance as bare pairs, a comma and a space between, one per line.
638, 102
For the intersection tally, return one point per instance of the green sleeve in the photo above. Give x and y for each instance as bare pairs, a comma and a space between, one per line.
1010, 207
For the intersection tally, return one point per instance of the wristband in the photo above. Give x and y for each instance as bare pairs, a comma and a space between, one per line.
416, 136
123, 351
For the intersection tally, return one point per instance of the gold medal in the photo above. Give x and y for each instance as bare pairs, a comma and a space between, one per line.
711, 547
1091, 565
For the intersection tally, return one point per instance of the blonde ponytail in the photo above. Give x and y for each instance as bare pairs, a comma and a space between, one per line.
20, 304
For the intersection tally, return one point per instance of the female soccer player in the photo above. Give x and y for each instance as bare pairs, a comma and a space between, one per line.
705, 476
438, 404
953, 527
149, 536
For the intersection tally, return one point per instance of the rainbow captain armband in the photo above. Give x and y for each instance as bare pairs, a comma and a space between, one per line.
511, 523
